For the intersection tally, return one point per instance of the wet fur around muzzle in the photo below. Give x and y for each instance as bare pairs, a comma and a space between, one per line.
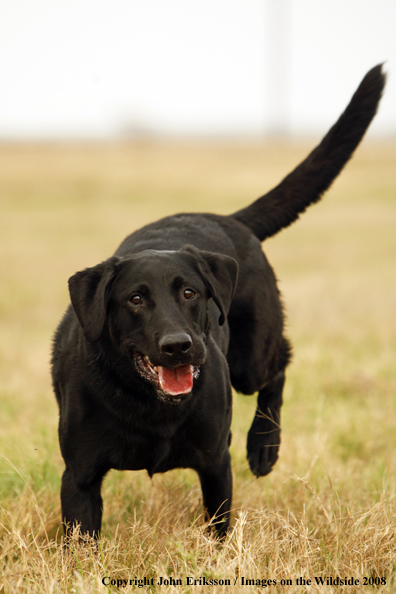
145, 356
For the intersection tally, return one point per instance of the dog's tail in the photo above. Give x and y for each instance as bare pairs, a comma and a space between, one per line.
306, 184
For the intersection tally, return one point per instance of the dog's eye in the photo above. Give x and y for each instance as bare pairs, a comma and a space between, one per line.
189, 294
135, 299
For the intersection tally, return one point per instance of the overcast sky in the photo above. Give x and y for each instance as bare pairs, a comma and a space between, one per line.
96, 68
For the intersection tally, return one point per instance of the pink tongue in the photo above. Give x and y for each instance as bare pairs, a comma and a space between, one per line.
176, 381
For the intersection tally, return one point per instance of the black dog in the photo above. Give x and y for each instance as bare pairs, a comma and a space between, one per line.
144, 360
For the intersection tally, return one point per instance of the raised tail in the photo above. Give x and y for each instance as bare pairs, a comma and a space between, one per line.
305, 185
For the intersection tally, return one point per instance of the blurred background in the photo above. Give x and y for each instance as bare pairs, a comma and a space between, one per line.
94, 69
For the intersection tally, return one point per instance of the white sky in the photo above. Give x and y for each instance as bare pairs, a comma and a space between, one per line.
98, 68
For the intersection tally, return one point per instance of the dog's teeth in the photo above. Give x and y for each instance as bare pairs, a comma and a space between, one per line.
156, 369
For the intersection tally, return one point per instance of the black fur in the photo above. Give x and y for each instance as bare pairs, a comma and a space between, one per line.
171, 292
307, 183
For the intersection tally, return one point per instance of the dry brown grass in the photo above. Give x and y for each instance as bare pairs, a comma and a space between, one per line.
328, 508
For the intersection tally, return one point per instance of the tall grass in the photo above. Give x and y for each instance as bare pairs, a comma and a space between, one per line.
328, 508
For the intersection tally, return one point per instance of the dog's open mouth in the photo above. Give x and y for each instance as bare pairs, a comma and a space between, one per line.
171, 383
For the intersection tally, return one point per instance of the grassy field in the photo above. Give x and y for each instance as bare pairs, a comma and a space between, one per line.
329, 507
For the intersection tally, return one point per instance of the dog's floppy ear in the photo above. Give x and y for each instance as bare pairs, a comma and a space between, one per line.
220, 275
89, 291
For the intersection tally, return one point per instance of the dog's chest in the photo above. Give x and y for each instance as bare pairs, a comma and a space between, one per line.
136, 449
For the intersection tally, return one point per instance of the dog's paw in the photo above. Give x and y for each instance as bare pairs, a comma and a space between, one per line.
263, 446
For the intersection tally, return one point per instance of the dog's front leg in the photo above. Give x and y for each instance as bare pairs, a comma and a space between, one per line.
216, 484
264, 435
81, 505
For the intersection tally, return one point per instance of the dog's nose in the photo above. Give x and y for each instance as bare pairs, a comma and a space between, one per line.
175, 344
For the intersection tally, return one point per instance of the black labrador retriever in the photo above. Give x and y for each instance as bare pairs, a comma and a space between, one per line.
144, 359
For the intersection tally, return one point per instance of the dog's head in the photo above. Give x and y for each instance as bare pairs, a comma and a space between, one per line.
153, 307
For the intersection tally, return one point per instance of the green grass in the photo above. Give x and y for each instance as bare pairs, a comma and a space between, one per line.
328, 508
